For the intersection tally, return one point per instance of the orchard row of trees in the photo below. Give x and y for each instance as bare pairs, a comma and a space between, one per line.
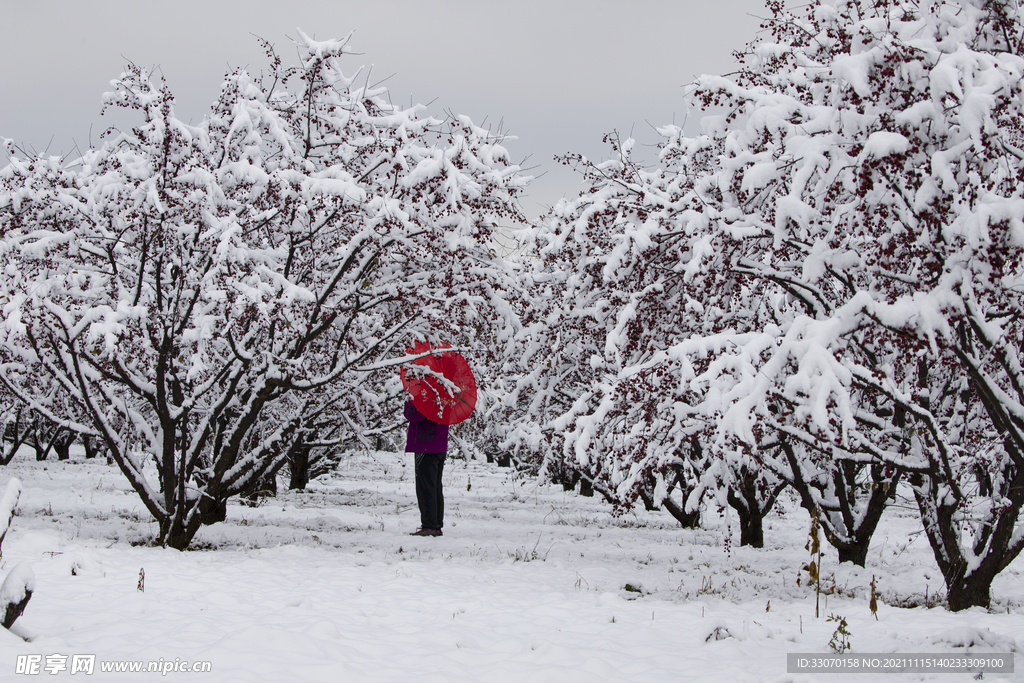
222, 298
821, 291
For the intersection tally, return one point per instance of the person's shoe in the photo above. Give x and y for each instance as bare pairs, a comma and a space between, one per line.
426, 532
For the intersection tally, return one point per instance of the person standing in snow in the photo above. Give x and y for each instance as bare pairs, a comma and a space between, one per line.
428, 440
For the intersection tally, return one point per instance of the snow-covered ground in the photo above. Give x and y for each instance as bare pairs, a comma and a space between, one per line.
529, 583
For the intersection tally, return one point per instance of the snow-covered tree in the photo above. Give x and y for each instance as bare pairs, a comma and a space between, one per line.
184, 284
870, 166
610, 299
24, 426
829, 277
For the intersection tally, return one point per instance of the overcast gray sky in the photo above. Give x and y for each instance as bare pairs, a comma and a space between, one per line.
560, 73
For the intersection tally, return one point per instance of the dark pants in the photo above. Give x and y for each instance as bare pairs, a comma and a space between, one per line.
429, 468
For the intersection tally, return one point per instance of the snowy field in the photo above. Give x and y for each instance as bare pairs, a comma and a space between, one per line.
529, 583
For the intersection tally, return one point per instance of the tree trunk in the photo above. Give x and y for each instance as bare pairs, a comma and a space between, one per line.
178, 536
849, 527
855, 553
62, 446
92, 446
263, 487
13, 609
751, 530
939, 514
648, 502
586, 487
688, 520
972, 591
747, 502
563, 475
17, 435
211, 511
298, 469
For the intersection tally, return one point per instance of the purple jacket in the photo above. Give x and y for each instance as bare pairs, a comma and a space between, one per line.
425, 436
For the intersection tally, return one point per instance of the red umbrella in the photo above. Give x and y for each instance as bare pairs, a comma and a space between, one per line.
430, 396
